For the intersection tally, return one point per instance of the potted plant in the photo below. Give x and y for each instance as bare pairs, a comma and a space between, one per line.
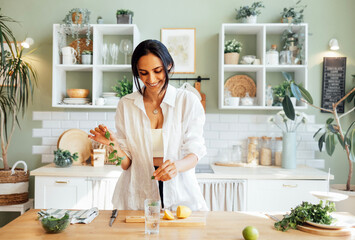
99, 20
232, 48
283, 89
63, 158
333, 131
18, 81
249, 14
293, 14
86, 57
123, 87
124, 16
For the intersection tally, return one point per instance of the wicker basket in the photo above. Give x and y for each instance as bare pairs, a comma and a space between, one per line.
14, 185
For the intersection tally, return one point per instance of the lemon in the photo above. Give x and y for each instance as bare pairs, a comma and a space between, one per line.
183, 212
250, 233
168, 215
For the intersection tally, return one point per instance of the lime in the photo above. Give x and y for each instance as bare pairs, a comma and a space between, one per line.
250, 233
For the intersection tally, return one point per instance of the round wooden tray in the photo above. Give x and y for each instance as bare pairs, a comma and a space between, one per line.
239, 85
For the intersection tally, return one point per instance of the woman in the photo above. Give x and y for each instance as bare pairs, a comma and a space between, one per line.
159, 133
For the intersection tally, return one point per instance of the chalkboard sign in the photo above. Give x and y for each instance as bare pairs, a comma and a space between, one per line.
333, 88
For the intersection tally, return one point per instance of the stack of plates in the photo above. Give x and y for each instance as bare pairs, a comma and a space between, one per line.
108, 94
76, 100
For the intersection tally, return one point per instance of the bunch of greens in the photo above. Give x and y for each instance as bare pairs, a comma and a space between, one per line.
123, 87
317, 213
55, 225
231, 46
247, 11
112, 157
295, 12
65, 154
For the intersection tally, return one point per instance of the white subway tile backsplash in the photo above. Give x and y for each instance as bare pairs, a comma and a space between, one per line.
87, 124
101, 116
230, 118
50, 124
220, 144
211, 135
247, 118
258, 127
41, 115
262, 118
227, 135
316, 163
206, 127
78, 116
109, 124
70, 124
111, 116
212, 118
57, 132
47, 158
38, 132
220, 127
49, 140
60, 115
41, 149
238, 127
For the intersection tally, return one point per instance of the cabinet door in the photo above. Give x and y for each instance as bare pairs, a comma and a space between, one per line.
281, 195
101, 192
62, 192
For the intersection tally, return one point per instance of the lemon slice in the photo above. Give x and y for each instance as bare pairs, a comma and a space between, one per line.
183, 212
168, 215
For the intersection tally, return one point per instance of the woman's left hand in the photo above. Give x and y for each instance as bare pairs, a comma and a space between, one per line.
166, 171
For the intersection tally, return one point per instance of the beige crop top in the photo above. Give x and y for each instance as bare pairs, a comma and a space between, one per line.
157, 140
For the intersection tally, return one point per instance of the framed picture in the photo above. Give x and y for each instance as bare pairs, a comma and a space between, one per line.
181, 43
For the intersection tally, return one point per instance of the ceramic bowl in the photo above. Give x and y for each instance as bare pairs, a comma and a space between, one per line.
248, 59
77, 93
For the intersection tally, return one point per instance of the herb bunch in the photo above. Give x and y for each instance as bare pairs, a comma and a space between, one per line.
112, 157
65, 154
316, 213
123, 87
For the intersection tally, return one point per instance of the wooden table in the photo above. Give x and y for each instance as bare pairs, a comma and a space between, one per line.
220, 225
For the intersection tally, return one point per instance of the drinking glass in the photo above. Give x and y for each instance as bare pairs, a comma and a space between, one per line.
126, 48
152, 216
104, 52
114, 52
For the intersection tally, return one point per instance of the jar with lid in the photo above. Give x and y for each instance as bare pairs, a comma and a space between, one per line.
236, 155
272, 56
278, 151
265, 151
253, 151
269, 98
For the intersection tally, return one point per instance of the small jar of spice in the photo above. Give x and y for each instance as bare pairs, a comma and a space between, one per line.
253, 151
265, 151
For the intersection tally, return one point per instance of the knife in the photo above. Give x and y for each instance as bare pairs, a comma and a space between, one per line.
272, 217
113, 217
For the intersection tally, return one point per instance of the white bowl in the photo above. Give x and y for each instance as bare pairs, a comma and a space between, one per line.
248, 59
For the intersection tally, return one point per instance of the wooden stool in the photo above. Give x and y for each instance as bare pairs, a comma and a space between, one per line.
22, 208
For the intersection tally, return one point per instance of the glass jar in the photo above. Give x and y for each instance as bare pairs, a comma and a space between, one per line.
272, 56
236, 156
285, 57
253, 151
269, 97
60, 162
227, 94
278, 151
247, 100
265, 151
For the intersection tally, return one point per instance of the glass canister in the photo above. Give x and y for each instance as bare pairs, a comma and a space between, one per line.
272, 56
253, 150
265, 151
278, 151
236, 155
269, 97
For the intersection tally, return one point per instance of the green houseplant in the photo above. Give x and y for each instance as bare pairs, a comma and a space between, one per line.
249, 14
283, 89
123, 87
232, 48
293, 14
63, 158
124, 16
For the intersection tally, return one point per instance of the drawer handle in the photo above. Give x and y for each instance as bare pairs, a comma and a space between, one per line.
63, 182
290, 186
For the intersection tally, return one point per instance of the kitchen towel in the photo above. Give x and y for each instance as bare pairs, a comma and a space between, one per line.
81, 216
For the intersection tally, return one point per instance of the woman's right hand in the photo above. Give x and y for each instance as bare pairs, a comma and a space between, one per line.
98, 135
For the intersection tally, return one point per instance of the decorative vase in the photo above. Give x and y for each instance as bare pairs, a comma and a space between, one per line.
231, 58
124, 19
63, 162
250, 19
346, 205
289, 147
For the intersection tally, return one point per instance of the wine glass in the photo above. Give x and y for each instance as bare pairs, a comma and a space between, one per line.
114, 52
104, 52
126, 48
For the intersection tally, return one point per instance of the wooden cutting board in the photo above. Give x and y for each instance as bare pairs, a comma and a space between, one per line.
195, 220
203, 96
325, 232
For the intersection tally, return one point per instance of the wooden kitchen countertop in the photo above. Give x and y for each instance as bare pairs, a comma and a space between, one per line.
220, 225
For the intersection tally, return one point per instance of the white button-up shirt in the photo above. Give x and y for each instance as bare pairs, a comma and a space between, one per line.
184, 118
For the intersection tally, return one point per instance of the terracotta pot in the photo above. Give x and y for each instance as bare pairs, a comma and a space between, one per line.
287, 20
79, 20
347, 205
231, 58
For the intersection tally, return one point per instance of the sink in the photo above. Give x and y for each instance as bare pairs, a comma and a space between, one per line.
203, 168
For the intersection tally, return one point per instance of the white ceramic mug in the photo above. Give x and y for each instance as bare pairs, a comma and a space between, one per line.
69, 51
69, 59
86, 59
100, 101
256, 61
232, 101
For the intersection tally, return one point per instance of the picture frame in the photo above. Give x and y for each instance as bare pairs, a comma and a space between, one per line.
181, 44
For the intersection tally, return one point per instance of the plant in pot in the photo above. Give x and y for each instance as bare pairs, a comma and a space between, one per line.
249, 14
124, 16
63, 158
293, 14
99, 20
283, 89
123, 87
232, 48
86, 57
333, 131
18, 81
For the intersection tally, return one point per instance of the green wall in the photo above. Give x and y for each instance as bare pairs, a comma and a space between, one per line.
326, 19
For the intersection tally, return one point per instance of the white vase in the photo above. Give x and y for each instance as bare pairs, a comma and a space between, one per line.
231, 58
250, 19
347, 205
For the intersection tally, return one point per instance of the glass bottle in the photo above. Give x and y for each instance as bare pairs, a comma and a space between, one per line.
236, 155
272, 56
269, 98
227, 94
265, 151
278, 151
253, 151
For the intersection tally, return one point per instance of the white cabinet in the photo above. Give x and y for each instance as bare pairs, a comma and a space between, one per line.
96, 77
257, 39
281, 195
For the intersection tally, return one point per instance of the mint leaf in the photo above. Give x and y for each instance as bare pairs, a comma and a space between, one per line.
107, 134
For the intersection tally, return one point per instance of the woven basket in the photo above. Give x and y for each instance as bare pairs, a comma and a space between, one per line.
14, 185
